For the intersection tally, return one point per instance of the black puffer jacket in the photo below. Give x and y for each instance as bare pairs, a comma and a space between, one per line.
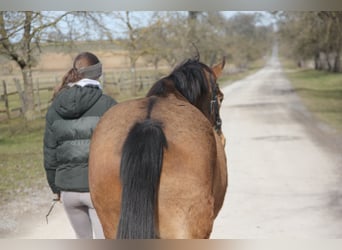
70, 122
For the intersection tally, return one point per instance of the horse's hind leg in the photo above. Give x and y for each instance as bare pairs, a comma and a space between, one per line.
183, 230
200, 219
180, 222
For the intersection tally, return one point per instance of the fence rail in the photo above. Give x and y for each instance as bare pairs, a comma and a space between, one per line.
115, 84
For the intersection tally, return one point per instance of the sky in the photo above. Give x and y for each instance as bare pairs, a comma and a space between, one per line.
142, 18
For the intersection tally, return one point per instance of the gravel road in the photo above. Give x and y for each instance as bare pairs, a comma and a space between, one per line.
284, 169
284, 166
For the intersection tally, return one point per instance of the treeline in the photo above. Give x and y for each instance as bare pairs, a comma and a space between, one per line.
312, 37
158, 36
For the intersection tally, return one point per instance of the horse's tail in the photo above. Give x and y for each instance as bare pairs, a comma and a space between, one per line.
140, 170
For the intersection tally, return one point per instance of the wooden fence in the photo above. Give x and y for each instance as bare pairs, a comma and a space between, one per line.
123, 84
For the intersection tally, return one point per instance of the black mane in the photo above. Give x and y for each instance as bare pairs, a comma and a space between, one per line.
190, 80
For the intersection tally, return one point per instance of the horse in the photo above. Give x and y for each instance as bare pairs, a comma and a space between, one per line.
157, 165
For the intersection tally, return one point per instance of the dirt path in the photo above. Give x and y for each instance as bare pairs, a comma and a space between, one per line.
26, 218
284, 168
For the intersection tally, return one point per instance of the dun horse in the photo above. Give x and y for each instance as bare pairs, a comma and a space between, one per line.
157, 166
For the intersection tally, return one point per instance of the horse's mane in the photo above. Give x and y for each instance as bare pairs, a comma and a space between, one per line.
189, 79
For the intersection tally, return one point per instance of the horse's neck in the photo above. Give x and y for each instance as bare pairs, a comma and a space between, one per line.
166, 88
161, 88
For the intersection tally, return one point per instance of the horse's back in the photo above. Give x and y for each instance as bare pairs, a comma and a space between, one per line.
185, 200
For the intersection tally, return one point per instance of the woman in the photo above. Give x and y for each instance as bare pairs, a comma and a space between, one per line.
77, 106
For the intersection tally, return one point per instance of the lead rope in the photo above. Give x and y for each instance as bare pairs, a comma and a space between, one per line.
54, 201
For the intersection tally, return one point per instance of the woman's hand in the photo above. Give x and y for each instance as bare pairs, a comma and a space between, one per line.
58, 197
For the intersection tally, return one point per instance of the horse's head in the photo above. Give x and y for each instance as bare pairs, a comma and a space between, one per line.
216, 95
217, 70
197, 83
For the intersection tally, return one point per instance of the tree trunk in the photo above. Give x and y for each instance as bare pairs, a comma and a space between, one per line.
27, 70
29, 93
337, 63
133, 77
329, 67
317, 62
192, 23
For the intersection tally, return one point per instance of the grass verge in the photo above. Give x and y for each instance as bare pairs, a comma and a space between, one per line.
320, 91
21, 158
228, 79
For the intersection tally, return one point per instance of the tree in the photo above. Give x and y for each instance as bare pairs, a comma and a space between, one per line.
173, 36
333, 36
23, 32
184, 34
313, 35
20, 37
168, 37
245, 40
134, 41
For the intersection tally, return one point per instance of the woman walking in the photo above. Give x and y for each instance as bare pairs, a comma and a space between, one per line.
77, 106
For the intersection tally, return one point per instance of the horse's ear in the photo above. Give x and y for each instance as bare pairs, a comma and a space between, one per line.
218, 68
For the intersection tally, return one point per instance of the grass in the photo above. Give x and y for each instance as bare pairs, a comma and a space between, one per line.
21, 165
320, 91
228, 79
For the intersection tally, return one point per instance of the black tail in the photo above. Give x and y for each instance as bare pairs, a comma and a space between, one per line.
140, 170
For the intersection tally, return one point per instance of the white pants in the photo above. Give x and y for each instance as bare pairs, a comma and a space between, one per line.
82, 215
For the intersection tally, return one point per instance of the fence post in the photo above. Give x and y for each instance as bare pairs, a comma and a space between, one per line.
38, 95
8, 112
21, 95
141, 86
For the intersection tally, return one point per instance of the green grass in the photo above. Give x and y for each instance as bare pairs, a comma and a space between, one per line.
21, 158
320, 91
228, 79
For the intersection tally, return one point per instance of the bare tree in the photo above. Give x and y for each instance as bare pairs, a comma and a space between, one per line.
245, 40
333, 36
23, 32
169, 38
134, 40
173, 36
20, 37
177, 35
313, 35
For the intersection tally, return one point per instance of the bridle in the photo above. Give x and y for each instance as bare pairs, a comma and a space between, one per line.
214, 104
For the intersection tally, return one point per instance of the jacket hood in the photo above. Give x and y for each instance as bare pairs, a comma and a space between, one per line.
73, 102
